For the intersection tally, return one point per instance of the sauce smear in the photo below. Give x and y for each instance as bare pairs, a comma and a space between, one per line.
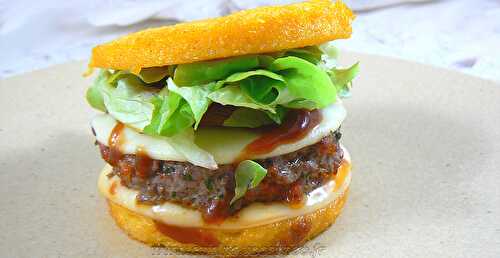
296, 126
143, 163
112, 188
114, 142
185, 235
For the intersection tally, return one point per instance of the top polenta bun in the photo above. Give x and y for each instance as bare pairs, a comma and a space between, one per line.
260, 30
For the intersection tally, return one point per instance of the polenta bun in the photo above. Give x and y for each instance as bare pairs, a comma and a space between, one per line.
286, 231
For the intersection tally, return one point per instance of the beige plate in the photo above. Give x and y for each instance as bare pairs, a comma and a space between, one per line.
425, 144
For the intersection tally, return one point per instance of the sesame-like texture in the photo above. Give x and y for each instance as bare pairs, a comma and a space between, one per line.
274, 238
260, 30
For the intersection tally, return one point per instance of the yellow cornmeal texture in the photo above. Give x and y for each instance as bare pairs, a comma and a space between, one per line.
260, 30
278, 237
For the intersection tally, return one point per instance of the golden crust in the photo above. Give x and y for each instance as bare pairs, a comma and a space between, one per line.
260, 30
279, 237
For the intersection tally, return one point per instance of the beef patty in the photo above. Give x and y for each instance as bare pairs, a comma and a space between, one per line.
289, 177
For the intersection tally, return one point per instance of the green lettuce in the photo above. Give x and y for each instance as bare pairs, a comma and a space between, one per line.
200, 73
342, 78
305, 80
263, 87
196, 97
94, 94
125, 99
311, 54
184, 143
172, 114
247, 117
156, 74
164, 107
234, 96
247, 176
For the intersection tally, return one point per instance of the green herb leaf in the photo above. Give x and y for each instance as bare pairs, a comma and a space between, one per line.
247, 176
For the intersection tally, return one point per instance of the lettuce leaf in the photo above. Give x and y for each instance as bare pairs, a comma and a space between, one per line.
127, 99
165, 105
247, 117
233, 95
305, 80
172, 114
342, 79
247, 176
311, 54
94, 93
156, 74
279, 116
262, 86
183, 142
268, 84
195, 96
330, 51
200, 73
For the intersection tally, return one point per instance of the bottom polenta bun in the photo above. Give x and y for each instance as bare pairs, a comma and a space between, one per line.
278, 237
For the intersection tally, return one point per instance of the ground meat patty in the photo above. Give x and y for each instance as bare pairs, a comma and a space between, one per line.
288, 178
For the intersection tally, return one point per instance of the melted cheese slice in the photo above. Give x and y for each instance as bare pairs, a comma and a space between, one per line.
256, 214
223, 143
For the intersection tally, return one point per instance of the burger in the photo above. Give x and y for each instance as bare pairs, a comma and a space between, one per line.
221, 136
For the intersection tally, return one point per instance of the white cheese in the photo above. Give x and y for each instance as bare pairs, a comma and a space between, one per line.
224, 144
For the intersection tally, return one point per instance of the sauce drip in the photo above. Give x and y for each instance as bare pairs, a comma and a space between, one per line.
217, 210
114, 142
295, 196
296, 126
112, 188
187, 235
143, 164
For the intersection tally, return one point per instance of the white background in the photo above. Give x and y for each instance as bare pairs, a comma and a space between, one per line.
461, 34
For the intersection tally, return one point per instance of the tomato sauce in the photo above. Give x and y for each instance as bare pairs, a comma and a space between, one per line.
143, 164
114, 142
295, 127
188, 235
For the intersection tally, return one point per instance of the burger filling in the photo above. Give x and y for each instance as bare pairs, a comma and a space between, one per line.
279, 95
